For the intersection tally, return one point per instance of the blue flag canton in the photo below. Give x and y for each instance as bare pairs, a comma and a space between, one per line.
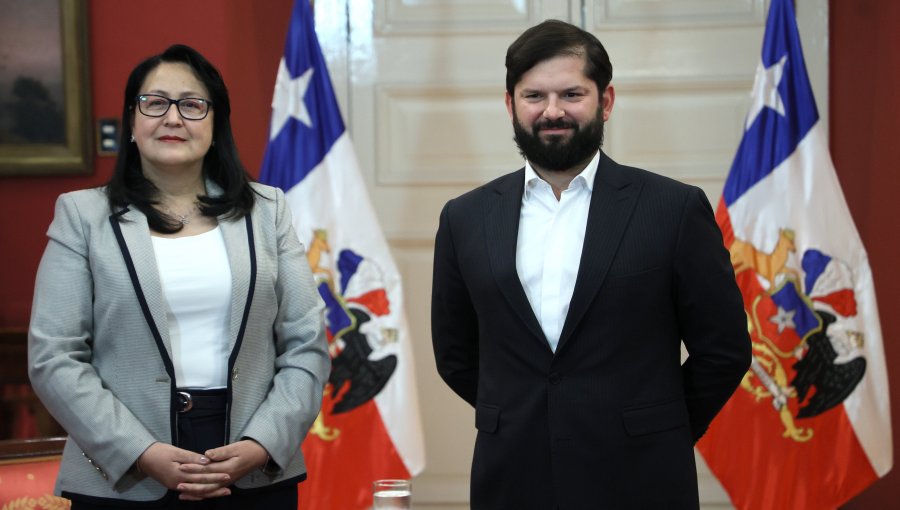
794, 305
772, 137
297, 147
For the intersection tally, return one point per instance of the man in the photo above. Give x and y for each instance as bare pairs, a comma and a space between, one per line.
562, 293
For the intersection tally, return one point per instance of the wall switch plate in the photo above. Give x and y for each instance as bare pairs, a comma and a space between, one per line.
107, 137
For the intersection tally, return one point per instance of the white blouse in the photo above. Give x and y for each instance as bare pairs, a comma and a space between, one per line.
196, 284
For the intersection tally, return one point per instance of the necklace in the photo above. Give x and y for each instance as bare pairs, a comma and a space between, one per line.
187, 216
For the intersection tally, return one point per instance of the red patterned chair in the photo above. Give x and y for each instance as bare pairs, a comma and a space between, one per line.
27, 473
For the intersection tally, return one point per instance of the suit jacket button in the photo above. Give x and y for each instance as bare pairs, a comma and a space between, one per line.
555, 378
234, 374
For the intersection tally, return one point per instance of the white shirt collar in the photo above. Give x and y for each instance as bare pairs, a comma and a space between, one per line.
586, 176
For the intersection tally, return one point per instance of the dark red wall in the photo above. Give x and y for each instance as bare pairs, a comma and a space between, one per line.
865, 146
243, 38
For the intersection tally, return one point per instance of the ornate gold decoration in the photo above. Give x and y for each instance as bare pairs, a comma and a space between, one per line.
322, 431
45, 502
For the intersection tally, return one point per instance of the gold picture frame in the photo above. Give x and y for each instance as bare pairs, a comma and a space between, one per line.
57, 139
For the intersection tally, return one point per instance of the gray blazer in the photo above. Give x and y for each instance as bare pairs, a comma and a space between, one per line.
100, 356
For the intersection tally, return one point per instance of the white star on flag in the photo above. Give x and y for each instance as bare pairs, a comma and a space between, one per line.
784, 319
288, 99
765, 90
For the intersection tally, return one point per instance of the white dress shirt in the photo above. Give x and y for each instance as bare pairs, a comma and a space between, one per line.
548, 250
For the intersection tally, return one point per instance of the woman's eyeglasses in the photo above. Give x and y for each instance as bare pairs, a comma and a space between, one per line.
190, 108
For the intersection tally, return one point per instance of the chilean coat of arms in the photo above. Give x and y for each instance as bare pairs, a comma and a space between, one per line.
807, 344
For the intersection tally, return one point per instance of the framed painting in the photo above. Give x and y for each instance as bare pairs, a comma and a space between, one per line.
44, 89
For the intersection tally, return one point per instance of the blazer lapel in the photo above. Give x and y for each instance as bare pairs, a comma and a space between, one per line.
239, 243
133, 235
240, 260
612, 202
501, 213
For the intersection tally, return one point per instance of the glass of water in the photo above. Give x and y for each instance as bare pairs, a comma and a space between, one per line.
392, 495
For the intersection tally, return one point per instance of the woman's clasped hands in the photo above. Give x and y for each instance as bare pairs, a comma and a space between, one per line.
201, 476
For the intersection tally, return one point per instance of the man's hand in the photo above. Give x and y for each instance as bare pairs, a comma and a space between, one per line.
184, 471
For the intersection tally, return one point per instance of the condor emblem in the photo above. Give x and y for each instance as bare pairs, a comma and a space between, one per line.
355, 298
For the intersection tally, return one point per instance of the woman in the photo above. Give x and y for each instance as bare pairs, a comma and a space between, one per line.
176, 332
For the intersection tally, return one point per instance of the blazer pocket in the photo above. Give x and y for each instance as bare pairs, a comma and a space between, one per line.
487, 418
633, 273
649, 419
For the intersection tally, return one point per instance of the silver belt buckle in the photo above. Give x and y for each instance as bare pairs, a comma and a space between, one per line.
187, 403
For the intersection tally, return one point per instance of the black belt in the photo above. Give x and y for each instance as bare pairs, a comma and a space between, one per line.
191, 399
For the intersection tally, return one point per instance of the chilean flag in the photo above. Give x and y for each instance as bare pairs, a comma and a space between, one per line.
369, 427
810, 426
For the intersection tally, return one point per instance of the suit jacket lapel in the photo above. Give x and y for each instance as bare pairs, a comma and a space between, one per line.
234, 231
239, 239
137, 246
612, 202
501, 213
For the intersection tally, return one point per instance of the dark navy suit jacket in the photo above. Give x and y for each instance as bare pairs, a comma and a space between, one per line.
610, 419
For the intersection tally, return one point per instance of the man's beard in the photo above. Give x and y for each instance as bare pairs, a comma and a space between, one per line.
558, 154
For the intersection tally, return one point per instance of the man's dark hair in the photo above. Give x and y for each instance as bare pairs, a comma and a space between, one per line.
221, 165
554, 38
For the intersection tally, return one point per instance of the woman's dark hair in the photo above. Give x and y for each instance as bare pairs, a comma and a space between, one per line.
554, 38
221, 164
